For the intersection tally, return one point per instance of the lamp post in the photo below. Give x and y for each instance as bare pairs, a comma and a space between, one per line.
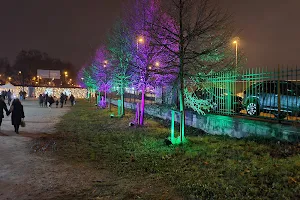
140, 40
66, 75
20, 73
236, 52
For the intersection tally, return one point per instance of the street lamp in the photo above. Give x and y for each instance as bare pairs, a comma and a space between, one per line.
236, 52
140, 40
156, 64
20, 73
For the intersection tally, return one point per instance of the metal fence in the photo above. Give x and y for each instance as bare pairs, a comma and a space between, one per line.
259, 93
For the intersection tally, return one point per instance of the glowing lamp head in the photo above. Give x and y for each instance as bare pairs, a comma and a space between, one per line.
140, 40
234, 42
157, 64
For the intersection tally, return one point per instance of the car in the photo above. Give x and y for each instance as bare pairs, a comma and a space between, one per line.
263, 96
222, 99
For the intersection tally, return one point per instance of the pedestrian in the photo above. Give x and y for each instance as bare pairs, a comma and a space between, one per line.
66, 98
2, 107
41, 100
46, 99
17, 115
24, 94
56, 102
62, 99
9, 97
21, 94
50, 101
72, 99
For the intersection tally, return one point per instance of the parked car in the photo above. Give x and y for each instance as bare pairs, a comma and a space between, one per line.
263, 96
222, 99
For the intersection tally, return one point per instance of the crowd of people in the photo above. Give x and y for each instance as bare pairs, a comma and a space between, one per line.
46, 100
7, 95
16, 108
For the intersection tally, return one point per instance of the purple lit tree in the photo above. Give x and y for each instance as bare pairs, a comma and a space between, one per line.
102, 71
149, 59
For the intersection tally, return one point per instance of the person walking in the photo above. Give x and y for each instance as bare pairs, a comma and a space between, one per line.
66, 98
46, 99
62, 99
41, 100
9, 97
2, 107
17, 115
50, 100
72, 99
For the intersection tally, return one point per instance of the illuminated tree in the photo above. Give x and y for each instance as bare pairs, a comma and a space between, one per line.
102, 71
86, 79
119, 47
148, 59
202, 34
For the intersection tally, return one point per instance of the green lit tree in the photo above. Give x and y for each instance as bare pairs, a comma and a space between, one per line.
119, 47
202, 34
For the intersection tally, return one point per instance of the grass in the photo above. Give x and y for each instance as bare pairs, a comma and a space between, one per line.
207, 167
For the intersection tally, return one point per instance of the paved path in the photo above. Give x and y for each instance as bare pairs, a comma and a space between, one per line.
38, 120
24, 175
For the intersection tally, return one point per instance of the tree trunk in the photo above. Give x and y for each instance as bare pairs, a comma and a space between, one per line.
122, 103
142, 106
181, 74
182, 110
105, 94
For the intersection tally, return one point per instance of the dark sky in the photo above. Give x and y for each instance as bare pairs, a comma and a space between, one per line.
72, 29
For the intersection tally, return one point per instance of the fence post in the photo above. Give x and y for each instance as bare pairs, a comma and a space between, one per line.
278, 96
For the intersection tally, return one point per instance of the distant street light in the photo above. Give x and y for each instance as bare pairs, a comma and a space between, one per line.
156, 64
140, 40
236, 52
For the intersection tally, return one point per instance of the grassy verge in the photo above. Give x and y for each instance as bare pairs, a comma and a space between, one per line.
207, 167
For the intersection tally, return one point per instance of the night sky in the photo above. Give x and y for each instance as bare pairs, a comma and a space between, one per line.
72, 29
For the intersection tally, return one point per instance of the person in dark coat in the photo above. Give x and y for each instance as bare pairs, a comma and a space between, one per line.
41, 100
17, 111
2, 107
50, 101
66, 98
62, 99
72, 99
46, 99
9, 97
